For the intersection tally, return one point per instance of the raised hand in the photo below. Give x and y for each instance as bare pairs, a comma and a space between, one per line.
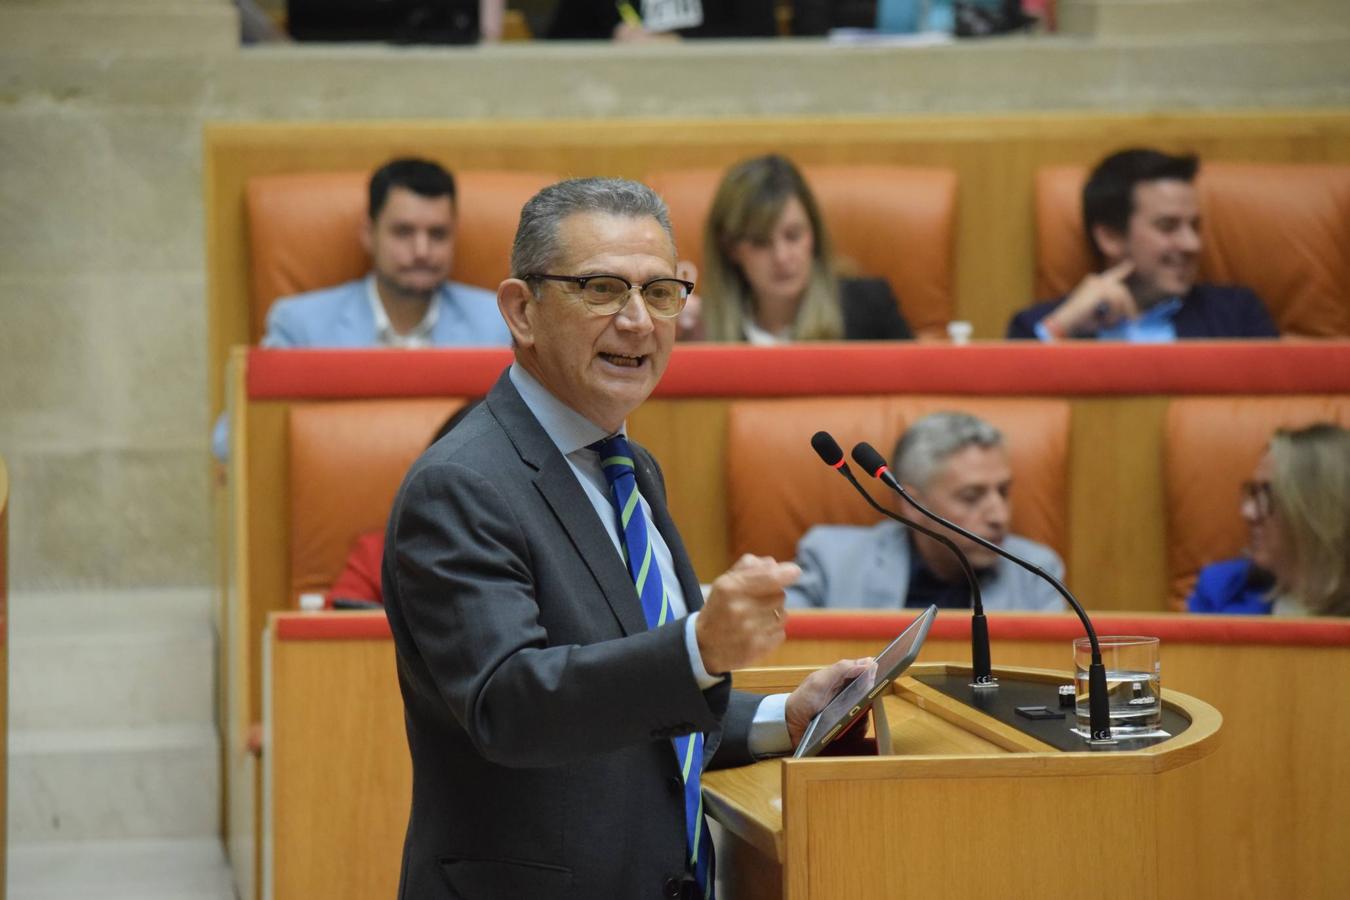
743, 617
1097, 302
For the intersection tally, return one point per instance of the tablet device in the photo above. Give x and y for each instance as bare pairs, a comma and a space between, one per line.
847, 705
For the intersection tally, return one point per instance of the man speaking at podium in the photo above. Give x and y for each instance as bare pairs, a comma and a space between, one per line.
564, 683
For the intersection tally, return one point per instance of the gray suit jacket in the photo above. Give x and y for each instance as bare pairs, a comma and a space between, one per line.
539, 707
852, 567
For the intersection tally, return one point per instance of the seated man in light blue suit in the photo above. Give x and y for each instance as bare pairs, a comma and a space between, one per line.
406, 300
956, 465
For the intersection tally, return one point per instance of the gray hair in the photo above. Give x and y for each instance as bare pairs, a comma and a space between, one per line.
928, 443
536, 248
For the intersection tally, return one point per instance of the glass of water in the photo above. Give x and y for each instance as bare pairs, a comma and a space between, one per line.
1133, 682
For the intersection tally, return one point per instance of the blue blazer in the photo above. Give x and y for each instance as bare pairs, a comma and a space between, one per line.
1208, 311
1226, 587
341, 317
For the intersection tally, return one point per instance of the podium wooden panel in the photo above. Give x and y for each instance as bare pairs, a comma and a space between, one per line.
1270, 821
966, 807
338, 784
337, 777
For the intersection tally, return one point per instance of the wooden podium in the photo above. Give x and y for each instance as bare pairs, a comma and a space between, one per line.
966, 806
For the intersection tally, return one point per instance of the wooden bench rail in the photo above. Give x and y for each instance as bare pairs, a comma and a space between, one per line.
705, 370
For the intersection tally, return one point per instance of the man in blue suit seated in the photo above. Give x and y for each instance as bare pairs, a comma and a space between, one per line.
406, 300
956, 465
1141, 215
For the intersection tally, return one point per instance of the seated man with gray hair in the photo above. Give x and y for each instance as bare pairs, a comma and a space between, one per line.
956, 465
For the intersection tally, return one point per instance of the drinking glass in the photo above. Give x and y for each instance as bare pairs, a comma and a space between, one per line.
1133, 682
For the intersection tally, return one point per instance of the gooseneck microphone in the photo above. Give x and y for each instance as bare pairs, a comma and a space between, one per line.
833, 456
1099, 716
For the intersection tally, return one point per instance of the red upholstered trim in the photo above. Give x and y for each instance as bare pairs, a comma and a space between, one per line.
352, 374
1013, 368
882, 626
333, 626
1188, 629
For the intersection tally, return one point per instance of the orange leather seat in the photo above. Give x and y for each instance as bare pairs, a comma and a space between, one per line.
1211, 445
347, 460
893, 222
304, 230
771, 506
1282, 230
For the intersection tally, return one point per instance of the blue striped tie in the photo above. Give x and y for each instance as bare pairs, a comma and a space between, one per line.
616, 458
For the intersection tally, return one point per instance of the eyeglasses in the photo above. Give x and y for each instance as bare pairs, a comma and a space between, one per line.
1257, 493
605, 295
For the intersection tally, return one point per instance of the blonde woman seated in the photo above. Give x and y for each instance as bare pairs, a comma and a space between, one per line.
1297, 510
770, 276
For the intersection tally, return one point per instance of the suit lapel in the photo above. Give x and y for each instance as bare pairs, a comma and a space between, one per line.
449, 328
356, 325
557, 483
888, 575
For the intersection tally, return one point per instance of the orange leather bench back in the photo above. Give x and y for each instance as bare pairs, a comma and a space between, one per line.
893, 222
1282, 230
304, 230
1211, 445
778, 488
347, 460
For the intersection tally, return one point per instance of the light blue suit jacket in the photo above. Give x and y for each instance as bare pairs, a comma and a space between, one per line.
341, 317
854, 567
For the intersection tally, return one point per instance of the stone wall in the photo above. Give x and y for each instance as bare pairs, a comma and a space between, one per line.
103, 417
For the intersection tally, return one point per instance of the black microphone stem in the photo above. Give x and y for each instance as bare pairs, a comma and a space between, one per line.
981, 669
1099, 714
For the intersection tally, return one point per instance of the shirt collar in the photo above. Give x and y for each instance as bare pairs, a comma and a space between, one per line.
569, 430
1153, 325
1163, 311
918, 565
419, 336
761, 337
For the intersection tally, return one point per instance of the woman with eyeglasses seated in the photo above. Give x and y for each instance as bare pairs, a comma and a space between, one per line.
1297, 510
769, 274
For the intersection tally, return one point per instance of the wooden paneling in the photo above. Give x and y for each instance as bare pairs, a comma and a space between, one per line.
907, 824
1116, 495
1118, 554
1266, 819
341, 778
994, 156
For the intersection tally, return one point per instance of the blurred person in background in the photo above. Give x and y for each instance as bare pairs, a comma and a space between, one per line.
1141, 216
407, 300
644, 20
956, 465
770, 275
1297, 510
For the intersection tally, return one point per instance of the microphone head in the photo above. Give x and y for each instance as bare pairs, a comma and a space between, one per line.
873, 463
828, 449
